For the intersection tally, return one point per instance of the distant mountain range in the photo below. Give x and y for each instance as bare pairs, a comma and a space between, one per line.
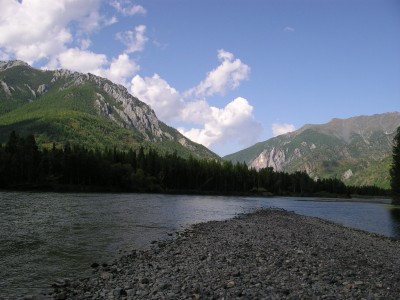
63, 106
357, 150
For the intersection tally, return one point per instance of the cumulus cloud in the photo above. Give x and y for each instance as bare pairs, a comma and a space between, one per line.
120, 69
228, 75
204, 123
207, 125
156, 92
82, 60
234, 122
127, 8
57, 34
196, 112
282, 128
42, 26
117, 70
133, 40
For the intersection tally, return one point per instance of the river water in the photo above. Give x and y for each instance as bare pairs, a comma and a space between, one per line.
46, 236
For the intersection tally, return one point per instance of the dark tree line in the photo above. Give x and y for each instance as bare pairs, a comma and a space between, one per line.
23, 165
395, 169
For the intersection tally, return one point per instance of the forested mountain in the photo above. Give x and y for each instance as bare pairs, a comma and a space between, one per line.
23, 166
63, 106
356, 150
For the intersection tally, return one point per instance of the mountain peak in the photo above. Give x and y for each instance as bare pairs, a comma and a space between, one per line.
360, 146
63, 105
4, 65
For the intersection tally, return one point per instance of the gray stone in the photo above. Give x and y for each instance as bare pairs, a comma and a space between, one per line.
281, 256
42, 89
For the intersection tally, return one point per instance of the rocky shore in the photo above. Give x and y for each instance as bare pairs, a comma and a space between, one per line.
269, 254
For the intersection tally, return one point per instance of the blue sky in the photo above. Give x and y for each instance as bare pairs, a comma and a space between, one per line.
225, 73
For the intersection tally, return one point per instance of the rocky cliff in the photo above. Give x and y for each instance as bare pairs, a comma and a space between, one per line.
357, 150
30, 96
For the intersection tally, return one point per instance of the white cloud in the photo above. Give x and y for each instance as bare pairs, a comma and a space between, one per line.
35, 29
156, 92
197, 112
282, 128
234, 122
85, 43
288, 29
110, 21
227, 75
57, 34
127, 8
120, 69
82, 61
134, 41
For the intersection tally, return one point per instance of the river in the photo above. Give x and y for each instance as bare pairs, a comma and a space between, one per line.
46, 236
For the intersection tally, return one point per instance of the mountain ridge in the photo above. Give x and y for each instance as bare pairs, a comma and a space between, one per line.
84, 108
343, 148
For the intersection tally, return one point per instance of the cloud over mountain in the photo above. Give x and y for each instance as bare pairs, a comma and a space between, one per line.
205, 124
59, 34
282, 128
234, 122
62, 34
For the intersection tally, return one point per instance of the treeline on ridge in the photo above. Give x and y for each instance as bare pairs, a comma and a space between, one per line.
75, 168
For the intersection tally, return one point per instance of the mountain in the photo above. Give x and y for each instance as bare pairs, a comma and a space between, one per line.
357, 150
63, 106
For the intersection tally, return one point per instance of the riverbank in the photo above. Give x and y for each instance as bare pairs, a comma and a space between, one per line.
270, 254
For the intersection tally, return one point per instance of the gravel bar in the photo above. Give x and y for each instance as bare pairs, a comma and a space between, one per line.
268, 254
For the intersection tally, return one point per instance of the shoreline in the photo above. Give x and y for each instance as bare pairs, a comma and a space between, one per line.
268, 254
309, 197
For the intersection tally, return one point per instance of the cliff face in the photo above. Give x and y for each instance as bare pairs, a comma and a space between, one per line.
38, 94
357, 150
127, 111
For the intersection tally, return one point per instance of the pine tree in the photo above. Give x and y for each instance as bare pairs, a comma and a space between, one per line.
395, 170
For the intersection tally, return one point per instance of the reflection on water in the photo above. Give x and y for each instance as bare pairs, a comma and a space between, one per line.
45, 236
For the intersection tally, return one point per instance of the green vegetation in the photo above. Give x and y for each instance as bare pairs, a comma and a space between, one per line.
356, 150
367, 171
62, 107
395, 169
83, 109
76, 168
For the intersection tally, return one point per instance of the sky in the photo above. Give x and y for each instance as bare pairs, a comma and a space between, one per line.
225, 73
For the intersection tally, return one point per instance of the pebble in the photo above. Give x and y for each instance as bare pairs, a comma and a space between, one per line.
280, 255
